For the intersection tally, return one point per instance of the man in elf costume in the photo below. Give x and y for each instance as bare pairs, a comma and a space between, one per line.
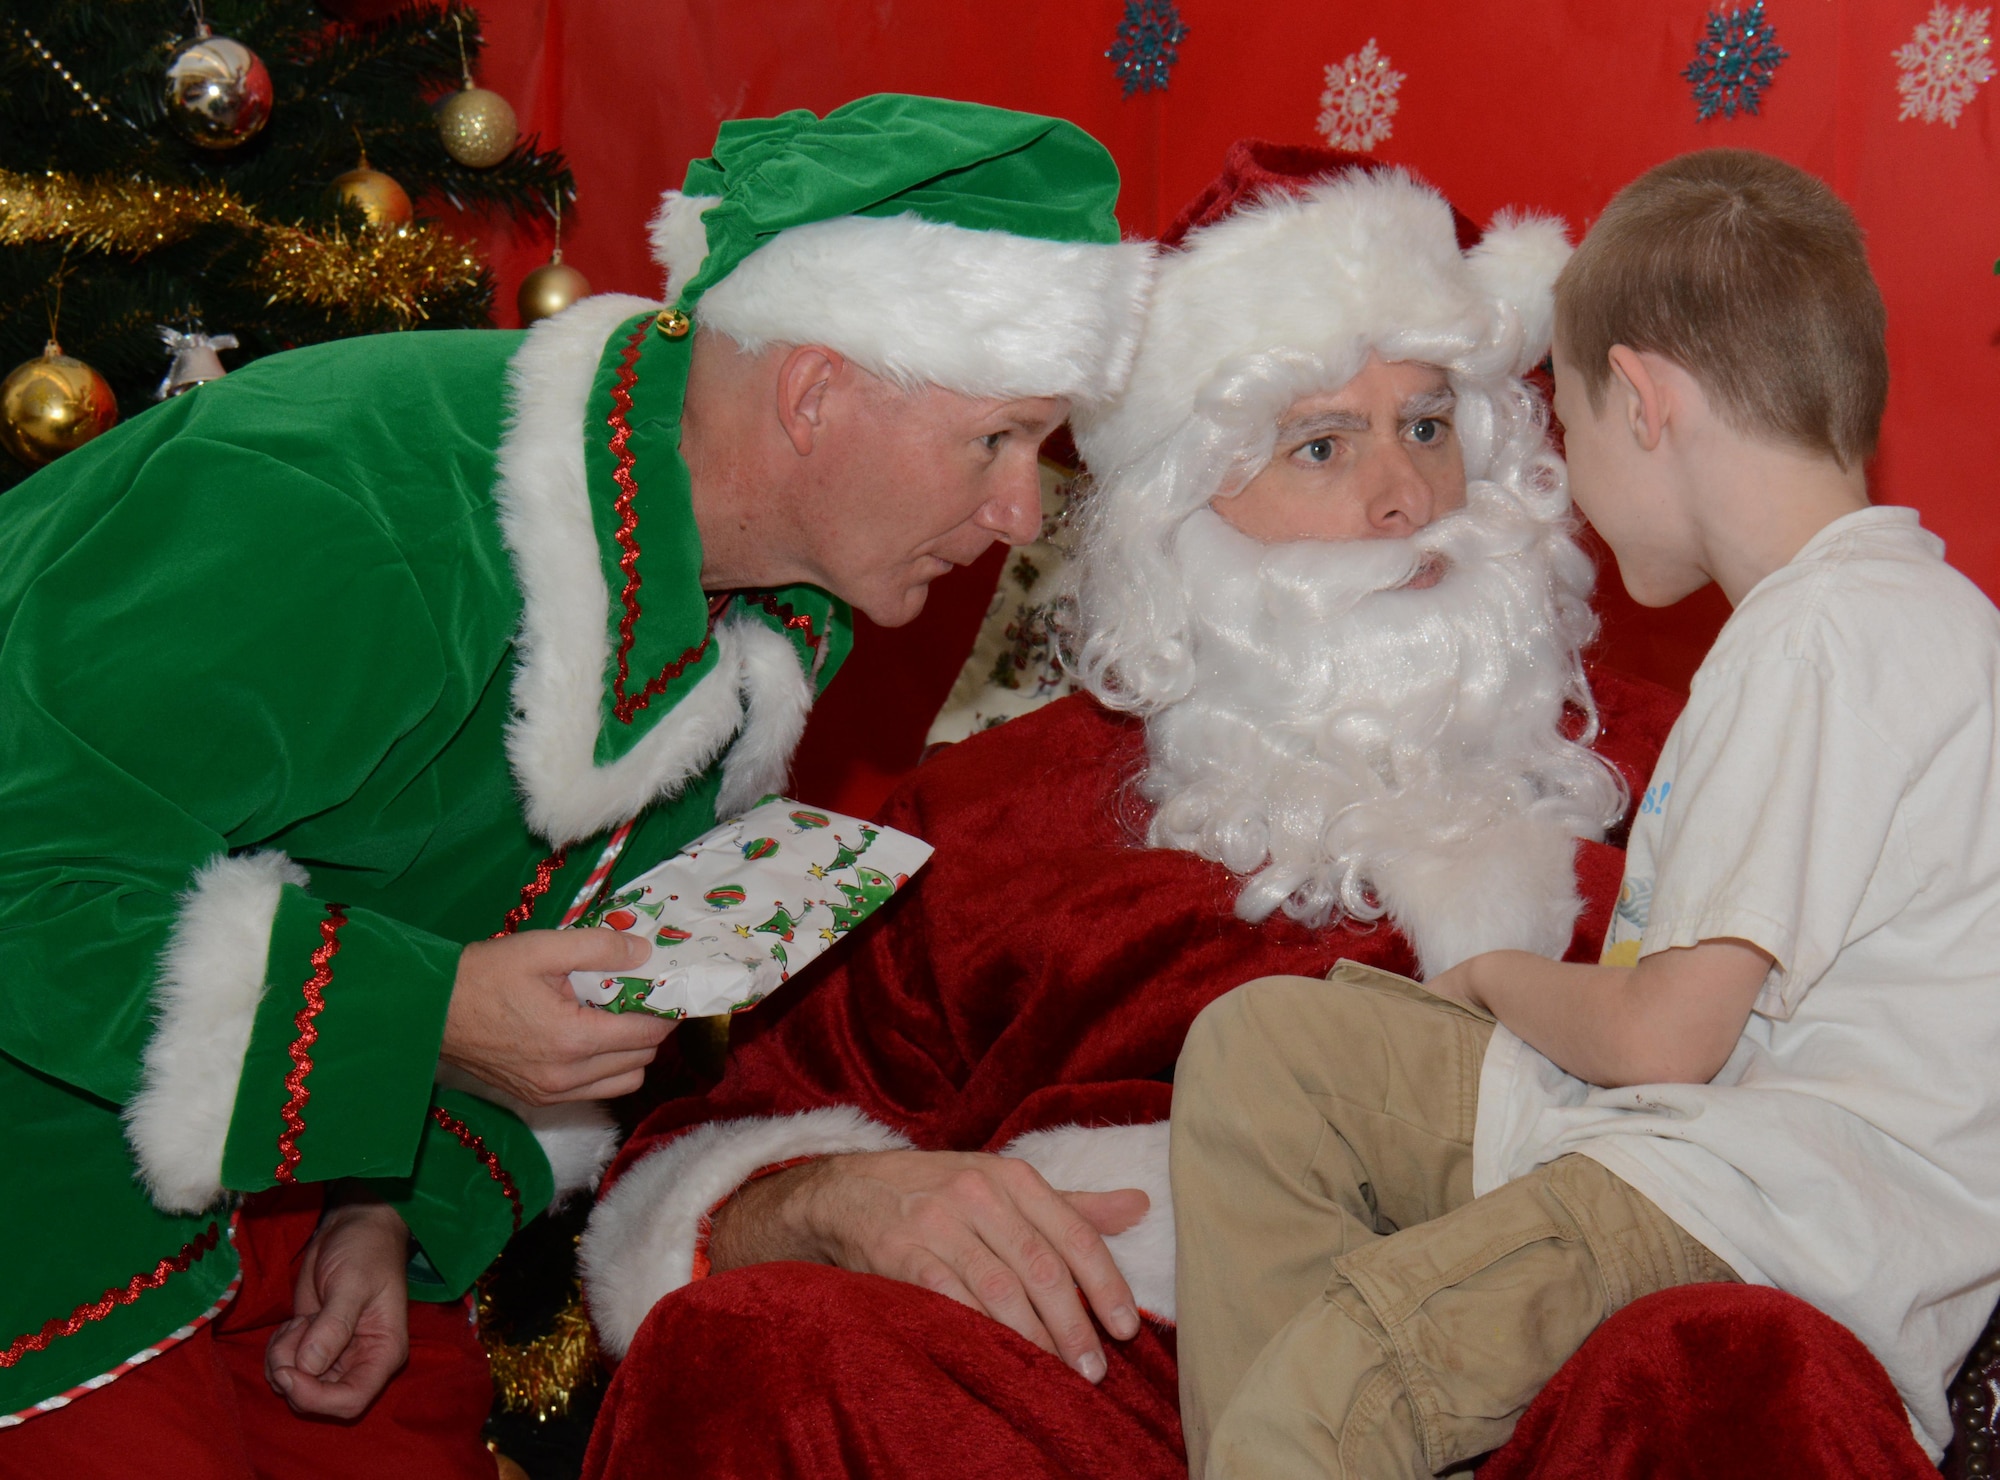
1328, 573
368, 651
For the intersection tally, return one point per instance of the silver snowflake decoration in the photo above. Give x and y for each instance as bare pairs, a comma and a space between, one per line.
1943, 63
1359, 100
1734, 63
1148, 45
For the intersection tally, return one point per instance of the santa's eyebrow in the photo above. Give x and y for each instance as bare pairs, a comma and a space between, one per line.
1305, 428
1430, 403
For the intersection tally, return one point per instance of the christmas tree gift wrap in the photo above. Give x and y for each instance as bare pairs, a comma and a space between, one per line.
742, 907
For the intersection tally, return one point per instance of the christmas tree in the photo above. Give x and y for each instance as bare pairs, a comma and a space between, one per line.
154, 176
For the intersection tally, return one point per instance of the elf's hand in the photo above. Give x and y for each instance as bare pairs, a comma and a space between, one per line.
349, 1332
514, 1022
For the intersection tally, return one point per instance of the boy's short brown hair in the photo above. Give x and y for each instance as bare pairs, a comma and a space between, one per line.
1750, 275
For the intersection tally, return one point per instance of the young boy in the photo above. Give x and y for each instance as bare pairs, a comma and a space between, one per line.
1396, 1221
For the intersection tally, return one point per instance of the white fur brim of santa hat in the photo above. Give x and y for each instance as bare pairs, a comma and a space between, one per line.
983, 313
1366, 259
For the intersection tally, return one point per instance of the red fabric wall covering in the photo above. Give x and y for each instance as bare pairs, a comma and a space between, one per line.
1551, 106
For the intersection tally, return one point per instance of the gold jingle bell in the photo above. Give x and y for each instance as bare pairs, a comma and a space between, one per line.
477, 126
218, 91
549, 289
673, 324
53, 405
378, 197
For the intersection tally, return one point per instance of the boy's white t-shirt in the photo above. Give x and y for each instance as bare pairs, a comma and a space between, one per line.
1831, 794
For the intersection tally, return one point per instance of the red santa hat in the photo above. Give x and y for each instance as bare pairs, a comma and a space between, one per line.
1308, 258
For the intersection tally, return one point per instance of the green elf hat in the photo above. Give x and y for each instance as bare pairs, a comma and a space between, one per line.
927, 240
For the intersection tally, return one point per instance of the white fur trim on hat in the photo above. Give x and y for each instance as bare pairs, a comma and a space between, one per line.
1363, 260
984, 313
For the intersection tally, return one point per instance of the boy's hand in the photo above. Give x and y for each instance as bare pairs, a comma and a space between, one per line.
349, 1332
515, 1023
1456, 985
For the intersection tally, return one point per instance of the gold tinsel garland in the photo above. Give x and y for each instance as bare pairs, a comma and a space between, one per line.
543, 1375
396, 273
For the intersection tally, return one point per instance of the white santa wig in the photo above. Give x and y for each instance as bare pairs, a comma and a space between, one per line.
1361, 750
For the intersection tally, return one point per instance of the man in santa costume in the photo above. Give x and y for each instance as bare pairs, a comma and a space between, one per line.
1329, 613
368, 651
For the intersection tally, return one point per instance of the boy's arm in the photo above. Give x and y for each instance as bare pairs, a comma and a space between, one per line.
1673, 1019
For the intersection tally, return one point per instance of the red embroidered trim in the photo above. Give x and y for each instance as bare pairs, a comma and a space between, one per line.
472, 1141
96, 1310
308, 1031
705, 1230
798, 621
531, 893
625, 706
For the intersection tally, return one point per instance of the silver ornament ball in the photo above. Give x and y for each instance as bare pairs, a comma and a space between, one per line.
218, 91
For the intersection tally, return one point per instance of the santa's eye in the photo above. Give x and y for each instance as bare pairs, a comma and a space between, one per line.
1319, 450
1426, 430
992, 440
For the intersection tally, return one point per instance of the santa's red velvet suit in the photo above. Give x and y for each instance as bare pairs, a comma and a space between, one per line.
1029, 991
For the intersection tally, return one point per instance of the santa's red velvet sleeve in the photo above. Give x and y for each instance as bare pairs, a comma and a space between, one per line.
1028, 993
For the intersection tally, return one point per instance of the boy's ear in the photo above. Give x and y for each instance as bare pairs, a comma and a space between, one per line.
1638, 395
804, 377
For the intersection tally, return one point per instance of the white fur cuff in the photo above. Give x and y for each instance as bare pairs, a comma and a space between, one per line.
641, 1239
1105, 1158
204, 1007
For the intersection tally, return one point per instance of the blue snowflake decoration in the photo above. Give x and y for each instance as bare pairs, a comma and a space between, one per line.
1149, 41
1733, 64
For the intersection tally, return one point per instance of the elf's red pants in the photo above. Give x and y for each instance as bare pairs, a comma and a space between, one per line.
203, 1411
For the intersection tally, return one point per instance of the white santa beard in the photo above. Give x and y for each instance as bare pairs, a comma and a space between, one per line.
1362, 750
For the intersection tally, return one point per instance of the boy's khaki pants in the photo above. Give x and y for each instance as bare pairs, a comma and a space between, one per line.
1347, 1308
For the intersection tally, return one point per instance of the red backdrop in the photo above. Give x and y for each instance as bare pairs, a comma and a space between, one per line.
1553, 106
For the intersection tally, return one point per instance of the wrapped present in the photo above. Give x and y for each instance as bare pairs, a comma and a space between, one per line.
744, 906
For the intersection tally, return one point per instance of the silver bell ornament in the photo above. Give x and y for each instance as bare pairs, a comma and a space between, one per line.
195, 360
218, 90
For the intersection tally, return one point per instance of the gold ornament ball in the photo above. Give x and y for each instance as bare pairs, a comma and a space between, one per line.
218, 92
385, 203
53, 405
549, 289
477, 126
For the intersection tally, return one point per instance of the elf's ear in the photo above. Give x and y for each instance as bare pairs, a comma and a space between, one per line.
804, 378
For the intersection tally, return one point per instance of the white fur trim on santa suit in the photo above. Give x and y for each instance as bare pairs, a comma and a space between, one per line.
205, 1005
578, 1137
640, 1243
564, 645
984, 313
1105, 1158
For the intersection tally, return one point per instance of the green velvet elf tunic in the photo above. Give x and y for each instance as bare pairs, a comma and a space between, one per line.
304, 676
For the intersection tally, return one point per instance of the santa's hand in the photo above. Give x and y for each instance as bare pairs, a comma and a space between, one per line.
515, 1023
985, 1230
349, 1332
